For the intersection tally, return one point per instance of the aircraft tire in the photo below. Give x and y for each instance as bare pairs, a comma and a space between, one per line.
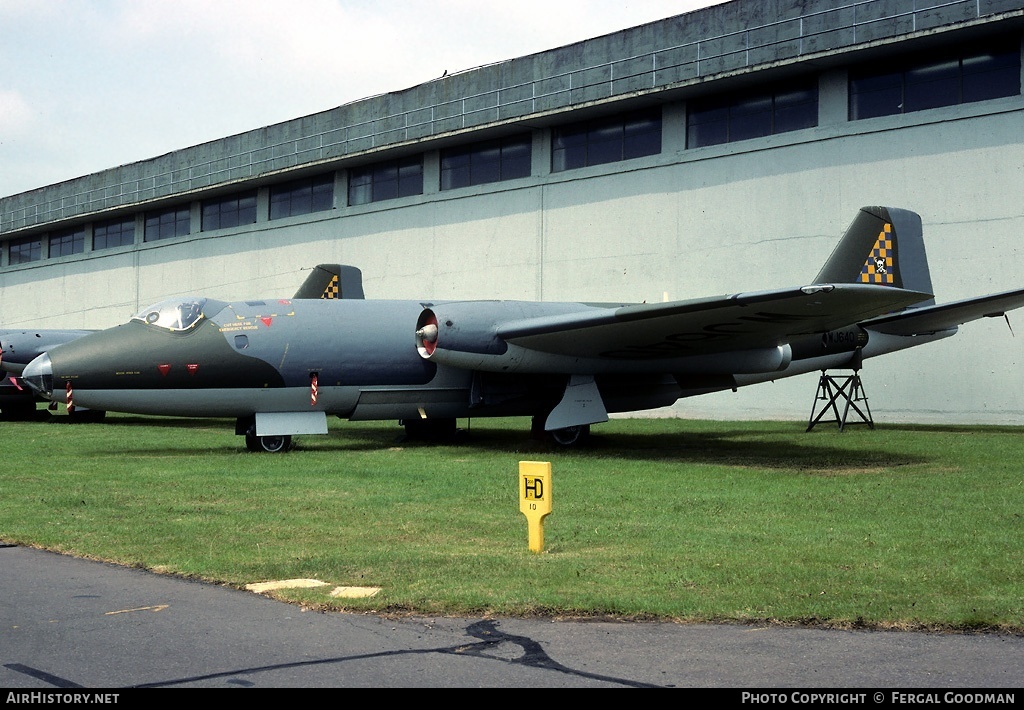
570, 436
18, 412
87, 416
268, 444
429, 430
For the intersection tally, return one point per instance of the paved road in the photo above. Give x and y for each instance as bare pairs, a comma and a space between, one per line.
68, 623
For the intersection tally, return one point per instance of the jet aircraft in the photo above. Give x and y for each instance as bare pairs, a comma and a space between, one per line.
280, 367
20, 347
17, 349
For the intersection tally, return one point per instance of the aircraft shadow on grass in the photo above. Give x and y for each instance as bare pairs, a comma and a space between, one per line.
742, 448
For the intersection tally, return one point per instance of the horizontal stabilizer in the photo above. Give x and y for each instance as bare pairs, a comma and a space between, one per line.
931, 319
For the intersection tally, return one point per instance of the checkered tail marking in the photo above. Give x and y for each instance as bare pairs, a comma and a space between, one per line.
333, 289
880, 265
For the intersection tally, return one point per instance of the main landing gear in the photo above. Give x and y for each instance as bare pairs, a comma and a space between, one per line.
442, 429
568, 438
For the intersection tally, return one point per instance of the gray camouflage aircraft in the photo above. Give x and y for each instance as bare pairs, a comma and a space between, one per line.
20, 347
279, 367
17, 349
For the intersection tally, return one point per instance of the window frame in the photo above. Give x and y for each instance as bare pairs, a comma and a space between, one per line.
304, 196
236, 210
155, 225
741, 116
101, 233
66, 242
389, 180
17, 246
487, 162
612, 139
969, 75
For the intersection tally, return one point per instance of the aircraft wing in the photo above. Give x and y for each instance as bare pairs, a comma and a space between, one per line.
707, 325
930, 319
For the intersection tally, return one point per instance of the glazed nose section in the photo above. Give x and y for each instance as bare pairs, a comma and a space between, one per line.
38, 374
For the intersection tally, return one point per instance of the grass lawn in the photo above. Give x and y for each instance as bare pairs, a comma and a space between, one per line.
898, 527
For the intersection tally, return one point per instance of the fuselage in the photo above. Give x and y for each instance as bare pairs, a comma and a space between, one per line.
20, 347
359, 359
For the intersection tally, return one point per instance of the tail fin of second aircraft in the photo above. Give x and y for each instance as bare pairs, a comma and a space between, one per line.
332, 281
884, 246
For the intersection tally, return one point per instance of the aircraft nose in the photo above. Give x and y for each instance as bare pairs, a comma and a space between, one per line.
38, 374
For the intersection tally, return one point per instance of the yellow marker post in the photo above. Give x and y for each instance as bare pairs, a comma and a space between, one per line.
535, 498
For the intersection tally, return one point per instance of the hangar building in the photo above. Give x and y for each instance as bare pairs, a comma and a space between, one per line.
718, 151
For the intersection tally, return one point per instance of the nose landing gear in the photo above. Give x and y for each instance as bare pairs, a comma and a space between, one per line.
274, 444
268, 444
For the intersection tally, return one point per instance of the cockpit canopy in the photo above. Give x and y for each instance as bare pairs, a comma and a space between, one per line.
178, 314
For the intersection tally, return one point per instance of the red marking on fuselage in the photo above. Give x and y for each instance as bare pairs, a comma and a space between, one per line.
164, 369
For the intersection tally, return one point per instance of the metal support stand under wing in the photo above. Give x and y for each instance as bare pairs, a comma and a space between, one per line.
848, 388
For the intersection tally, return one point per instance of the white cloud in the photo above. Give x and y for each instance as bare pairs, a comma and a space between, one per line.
87, 86
15, 115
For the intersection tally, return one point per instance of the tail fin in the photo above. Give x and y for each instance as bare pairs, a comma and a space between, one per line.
883, 245
332, 281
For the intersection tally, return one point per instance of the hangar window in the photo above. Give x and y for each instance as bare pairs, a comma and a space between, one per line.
606, 140
176, 222
227, 212
386, 181
302, 197
67, 242
739, 117
947, 80
22, 251
489, 161
117, 233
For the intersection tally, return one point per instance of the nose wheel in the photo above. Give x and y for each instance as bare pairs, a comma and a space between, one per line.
276, 444
268, 444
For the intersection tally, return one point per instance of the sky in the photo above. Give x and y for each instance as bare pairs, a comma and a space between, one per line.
86, 86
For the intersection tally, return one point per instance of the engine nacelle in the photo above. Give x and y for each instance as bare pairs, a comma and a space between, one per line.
466, 336
468, 331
